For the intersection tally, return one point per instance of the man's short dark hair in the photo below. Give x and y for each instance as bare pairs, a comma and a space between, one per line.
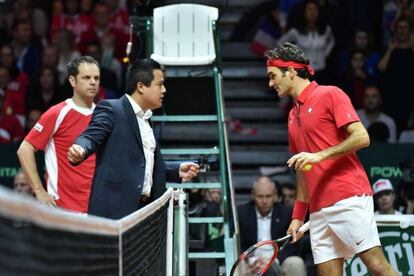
141, 71
290, 52
73, 65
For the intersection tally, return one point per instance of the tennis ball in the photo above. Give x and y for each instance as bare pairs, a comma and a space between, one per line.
307, 167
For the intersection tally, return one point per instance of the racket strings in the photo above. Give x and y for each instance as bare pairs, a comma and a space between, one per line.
257, 260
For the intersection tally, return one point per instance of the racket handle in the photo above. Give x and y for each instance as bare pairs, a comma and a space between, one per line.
304, 227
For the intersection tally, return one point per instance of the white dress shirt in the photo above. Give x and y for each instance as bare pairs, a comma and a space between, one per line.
263, 226
148, 143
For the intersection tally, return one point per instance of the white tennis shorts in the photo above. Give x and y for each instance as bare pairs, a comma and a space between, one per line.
344, 229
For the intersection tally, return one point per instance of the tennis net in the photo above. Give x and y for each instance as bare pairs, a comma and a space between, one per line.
38, 240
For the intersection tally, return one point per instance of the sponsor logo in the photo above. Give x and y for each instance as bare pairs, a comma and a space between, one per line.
398, 246
359, 242
38, 127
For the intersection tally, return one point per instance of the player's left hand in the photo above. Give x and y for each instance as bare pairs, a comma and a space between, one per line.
298, 161
188, 170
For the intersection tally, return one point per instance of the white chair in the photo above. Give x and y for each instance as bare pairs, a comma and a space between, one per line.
183, 34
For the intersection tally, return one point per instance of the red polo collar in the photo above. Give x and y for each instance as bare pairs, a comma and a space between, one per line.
305, 93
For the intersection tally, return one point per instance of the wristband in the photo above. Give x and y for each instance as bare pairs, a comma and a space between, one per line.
299, 210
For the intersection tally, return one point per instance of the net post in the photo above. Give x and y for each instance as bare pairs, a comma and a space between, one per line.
169, 253
181, 234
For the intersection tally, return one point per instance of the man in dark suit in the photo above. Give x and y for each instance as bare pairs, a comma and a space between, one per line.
263, 218
130, 171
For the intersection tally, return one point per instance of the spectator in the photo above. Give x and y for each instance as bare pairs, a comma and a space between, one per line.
371, 112
20, 184
65, 44
361, 42
119, 17
314, 37
294, 266
86, 6
23, 10
378, 132
211, 207
102, 27
288, 194
44, 91
355, 79
263, 218
33, 116
19, 81
109, 80
50, 57
71, 20
384, 197
12, 101
407, 136
27, 51
10, 128
395, 65
392, 10
268, 30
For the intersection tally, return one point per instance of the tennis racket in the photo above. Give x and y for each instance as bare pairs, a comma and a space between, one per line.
259, 258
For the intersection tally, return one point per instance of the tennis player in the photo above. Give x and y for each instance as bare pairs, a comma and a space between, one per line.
324, 134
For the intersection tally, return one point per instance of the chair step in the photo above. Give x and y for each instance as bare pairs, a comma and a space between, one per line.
215, 185
184, 118
205, 220
190, 151
206, 255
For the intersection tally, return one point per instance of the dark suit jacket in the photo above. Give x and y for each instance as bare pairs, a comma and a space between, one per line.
114, 135
281, 217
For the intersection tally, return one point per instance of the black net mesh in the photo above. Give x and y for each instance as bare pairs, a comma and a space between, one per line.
27, 249
30, 248
144, 245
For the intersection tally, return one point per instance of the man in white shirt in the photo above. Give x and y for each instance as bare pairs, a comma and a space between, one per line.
264, 218
130, 171
372, 112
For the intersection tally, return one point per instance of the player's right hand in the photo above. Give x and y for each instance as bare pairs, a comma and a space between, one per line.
76, 154
45, 198
294, 230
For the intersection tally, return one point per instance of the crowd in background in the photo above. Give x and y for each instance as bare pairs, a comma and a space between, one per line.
360, 46
364, 47
38, 39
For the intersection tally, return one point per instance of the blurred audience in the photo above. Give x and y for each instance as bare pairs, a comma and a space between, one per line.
378, 132
288, 191
24, 10
407, 135
396, 64
27, 51
72, 20
372, 113
360, 42
44, 90
268, 30
315, 38
10, 128
64, 41
20, 184
33, 116
355, 78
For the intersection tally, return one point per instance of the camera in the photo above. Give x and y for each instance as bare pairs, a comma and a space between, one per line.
208, 163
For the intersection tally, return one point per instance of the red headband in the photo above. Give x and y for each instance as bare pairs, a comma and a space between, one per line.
284, 64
